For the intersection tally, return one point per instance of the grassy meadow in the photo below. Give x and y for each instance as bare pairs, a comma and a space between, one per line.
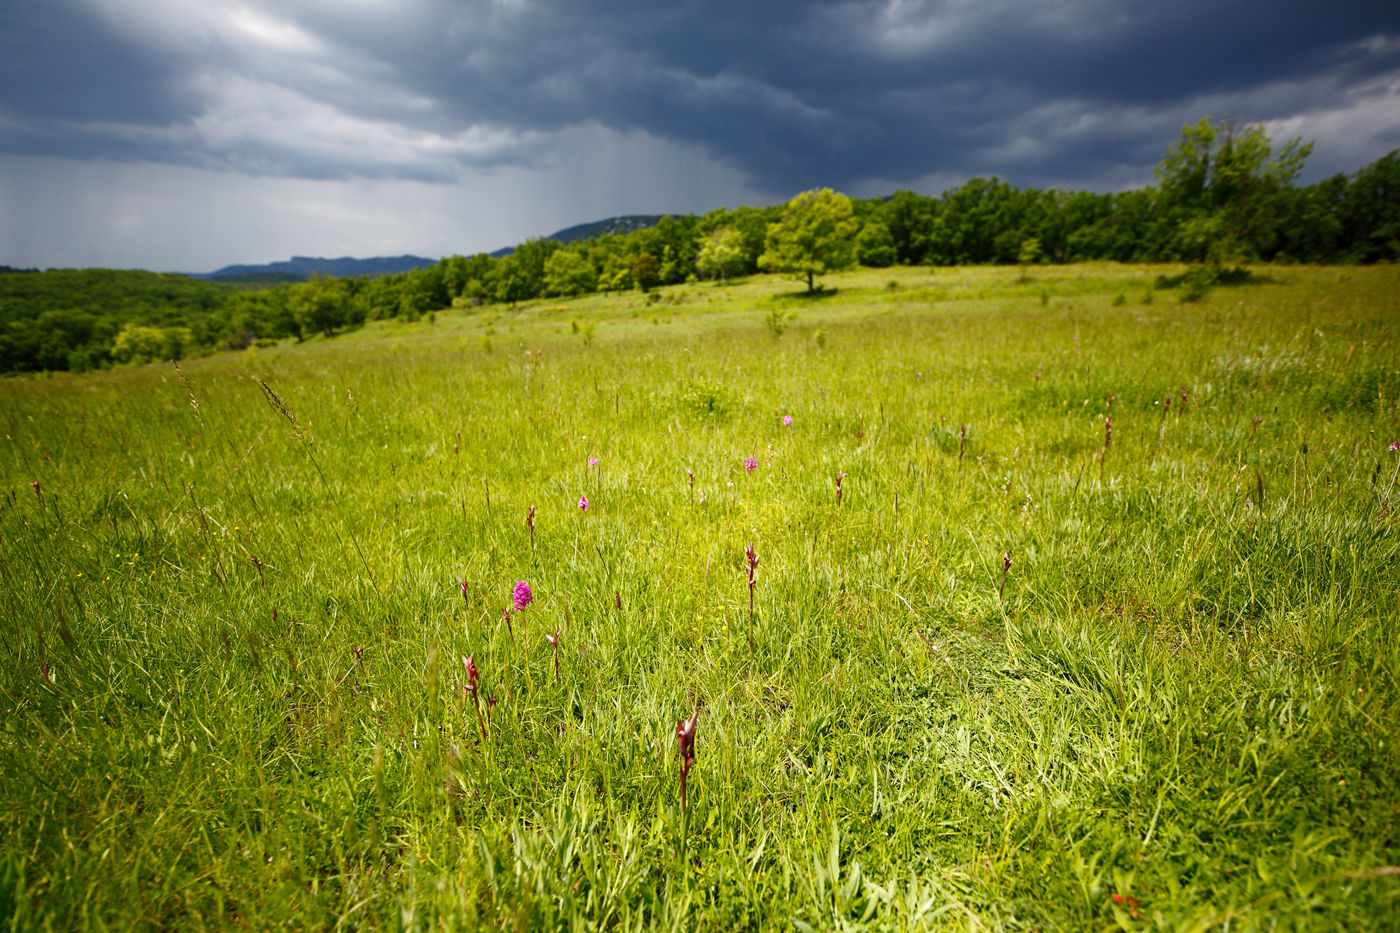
237, 595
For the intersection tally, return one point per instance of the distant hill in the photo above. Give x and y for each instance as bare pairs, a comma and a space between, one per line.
597, 228
299, 268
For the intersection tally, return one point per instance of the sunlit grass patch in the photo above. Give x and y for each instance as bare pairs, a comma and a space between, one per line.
1065, 614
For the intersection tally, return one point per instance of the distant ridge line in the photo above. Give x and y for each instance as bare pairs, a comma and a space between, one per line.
625, 223
303, 267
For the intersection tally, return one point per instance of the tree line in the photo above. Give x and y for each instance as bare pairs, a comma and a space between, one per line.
1224, 194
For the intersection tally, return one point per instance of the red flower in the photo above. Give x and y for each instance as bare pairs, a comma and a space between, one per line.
1128, 901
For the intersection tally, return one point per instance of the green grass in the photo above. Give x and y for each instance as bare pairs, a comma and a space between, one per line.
1180, 713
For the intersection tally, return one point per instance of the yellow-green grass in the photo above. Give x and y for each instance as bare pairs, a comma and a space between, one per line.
232, 651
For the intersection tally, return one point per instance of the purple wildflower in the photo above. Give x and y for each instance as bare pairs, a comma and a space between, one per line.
592, 461
523, 596
787, 421
1394, 446
583, 503
750, 464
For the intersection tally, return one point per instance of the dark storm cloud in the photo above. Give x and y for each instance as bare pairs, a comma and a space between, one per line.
1084, 92
60, 64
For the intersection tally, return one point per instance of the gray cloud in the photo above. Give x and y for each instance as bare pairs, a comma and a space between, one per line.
781, 96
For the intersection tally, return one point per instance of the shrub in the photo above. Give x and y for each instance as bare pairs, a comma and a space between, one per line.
706, 399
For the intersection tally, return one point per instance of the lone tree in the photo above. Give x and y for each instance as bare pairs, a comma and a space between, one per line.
1226, 179
816, 235
1029, 255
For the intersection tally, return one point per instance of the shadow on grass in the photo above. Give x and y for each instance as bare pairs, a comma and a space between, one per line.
1208, 276
800, 299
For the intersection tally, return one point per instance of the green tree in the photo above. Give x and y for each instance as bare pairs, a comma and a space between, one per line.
509, 282
815, 235
673, 241
417, 297
721, 253
1368, 212
909, 218
875, 245
1028, 255
568, 273
136, 343
646, 271
751, 224
1229, 171
319, 306
616, 271
521, 275
1203, 237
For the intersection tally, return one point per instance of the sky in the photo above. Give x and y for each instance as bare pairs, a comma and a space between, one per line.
185, 135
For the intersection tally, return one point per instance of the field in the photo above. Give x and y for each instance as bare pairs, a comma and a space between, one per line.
237, 596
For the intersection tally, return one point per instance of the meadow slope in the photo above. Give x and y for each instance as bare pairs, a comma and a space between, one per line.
237, 595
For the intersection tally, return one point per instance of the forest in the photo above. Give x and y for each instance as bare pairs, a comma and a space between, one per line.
1225, 195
